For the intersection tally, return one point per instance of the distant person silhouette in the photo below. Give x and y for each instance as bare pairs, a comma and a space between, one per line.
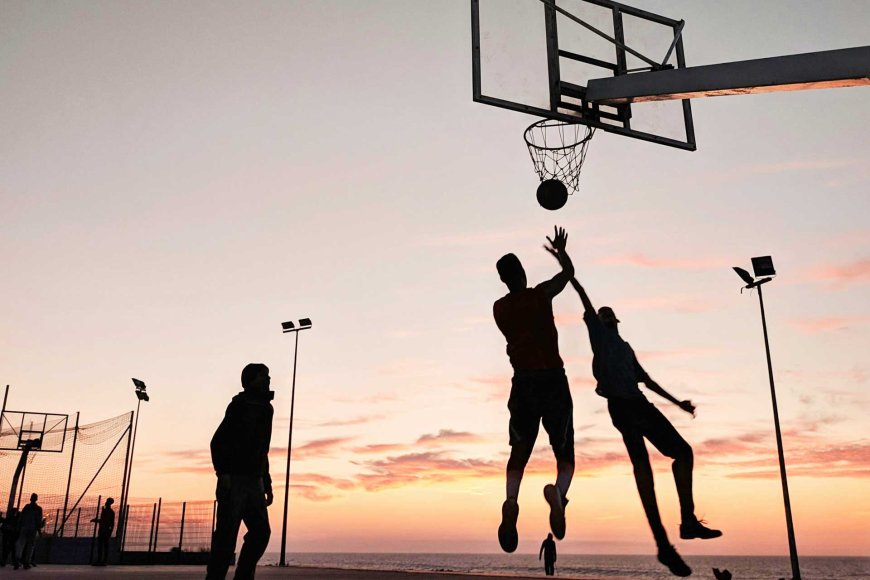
240, 455
106, 523
539, 388
29, 524
9, 529
548, 549
618, 373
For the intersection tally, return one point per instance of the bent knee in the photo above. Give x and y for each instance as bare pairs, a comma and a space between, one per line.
519, 457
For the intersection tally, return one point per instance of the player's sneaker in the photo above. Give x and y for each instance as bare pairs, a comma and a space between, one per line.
507, 531
669, 557
557, 510
696, 529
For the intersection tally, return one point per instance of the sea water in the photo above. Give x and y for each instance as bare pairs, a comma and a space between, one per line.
585, 566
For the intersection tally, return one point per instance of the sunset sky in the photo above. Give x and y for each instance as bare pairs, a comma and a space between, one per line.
177, 179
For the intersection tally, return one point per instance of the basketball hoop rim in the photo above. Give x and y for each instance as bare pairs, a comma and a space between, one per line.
549, 123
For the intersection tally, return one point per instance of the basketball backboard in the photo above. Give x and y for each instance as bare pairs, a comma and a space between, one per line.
42, 431
537, 57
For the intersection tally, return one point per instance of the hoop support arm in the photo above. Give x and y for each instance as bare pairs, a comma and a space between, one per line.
848, 67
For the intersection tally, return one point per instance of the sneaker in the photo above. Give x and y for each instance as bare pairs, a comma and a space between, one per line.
668, 556
696, 529
557, 510
507, 531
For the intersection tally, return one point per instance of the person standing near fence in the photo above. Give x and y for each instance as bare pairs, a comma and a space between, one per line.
240, 455
106, 523
9, 529
30, 523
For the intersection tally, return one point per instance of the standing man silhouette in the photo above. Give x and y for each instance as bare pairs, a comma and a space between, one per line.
106, 523
30, 523
240, 455
618, 373
548, 549
539, 388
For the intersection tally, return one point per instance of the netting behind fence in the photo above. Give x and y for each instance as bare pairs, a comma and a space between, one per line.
95, 473
169, 526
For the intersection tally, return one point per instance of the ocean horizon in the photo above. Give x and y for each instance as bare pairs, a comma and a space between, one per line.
617, 566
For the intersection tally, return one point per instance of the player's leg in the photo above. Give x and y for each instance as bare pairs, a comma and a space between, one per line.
666, 439
256, 518
523, 430
558, 420
626, 420
228, 520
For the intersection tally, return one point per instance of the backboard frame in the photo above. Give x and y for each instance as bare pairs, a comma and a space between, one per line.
24, 426
564, 95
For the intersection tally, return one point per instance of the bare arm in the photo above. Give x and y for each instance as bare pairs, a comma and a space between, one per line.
557, 245
587, 304
656, 388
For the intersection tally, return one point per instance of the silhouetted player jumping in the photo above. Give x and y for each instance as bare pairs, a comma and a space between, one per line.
618, 372
539, 388
240, 455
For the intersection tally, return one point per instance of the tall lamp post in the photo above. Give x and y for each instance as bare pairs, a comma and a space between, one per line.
141, 395
290, 327
764, 272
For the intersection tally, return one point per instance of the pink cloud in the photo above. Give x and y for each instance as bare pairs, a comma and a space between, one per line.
380, 448
316, 448
449, 436
352, 421
857, 272
638, 259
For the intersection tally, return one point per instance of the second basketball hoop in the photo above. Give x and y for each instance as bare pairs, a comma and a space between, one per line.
557, 149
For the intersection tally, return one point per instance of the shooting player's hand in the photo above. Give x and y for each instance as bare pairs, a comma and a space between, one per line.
687, 406
269, 497
559, 240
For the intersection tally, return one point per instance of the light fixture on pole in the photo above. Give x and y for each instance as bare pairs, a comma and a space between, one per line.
764, 272
287, 327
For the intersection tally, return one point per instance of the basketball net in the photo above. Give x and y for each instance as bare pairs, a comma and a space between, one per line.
558, 149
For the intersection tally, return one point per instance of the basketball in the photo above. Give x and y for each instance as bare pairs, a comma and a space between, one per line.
552, 194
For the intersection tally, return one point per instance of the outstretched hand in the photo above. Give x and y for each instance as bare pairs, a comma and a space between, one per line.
687, 406
558, 241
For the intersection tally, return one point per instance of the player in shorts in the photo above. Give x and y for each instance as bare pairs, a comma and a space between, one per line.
618, 373
539, 388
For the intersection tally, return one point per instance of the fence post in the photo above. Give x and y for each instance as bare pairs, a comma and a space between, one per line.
151, 531
181, 531
72, 459
56, 518
94, 536
78, 517
157, 524
123, 542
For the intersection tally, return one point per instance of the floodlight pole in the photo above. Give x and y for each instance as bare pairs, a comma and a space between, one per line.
792, 546
290, 327
140, 396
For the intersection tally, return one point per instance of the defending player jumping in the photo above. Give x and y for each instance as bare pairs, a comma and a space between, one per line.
618, 373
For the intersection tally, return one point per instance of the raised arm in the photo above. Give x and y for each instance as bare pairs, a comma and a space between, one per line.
557, 283
587, 304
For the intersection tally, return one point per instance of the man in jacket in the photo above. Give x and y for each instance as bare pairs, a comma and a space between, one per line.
106, 523
29, 524
240, 455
